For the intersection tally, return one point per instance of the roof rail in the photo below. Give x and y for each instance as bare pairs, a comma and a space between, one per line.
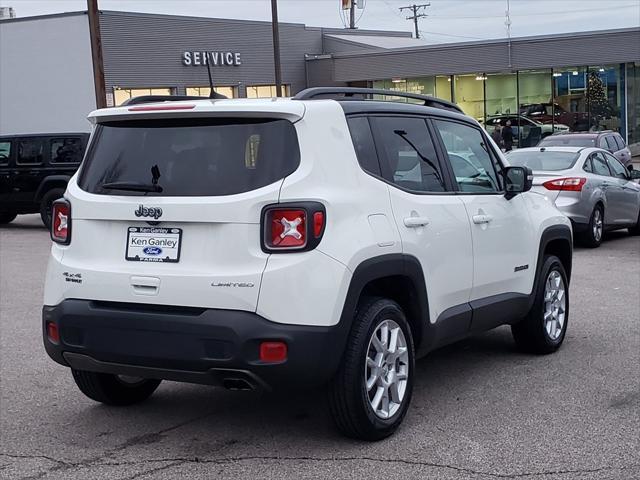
348, 92
163, 98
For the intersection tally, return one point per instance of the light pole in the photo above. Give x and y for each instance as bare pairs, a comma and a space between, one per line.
276, 46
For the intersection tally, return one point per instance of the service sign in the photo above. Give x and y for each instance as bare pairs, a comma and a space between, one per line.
215, 59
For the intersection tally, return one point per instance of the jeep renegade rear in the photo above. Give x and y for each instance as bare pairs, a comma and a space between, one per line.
261, 244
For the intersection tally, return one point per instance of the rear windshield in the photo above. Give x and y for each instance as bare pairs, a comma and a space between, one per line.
189, 157
537, 160
567, 141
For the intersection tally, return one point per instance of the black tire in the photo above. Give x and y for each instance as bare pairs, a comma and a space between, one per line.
111, 390
530, 334
46, 204
7, 217
348, 396
589, 237
635, 230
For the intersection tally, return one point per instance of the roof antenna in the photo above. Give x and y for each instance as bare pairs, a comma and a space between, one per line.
212, 94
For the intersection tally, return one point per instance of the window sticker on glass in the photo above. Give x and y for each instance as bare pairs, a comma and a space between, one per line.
251, 151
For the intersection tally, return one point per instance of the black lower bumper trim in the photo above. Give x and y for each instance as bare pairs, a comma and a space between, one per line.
209, 346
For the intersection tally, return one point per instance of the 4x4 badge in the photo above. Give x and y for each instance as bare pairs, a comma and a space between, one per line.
143, 211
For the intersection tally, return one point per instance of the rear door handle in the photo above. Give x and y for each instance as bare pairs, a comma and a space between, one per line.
415, 222
480, 219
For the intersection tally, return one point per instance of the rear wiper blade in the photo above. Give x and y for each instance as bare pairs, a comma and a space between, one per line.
133, 186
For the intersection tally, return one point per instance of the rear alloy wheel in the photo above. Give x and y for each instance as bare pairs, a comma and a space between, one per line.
592, 237
117, 390
370, 394
545, 326
7, 217
46, 204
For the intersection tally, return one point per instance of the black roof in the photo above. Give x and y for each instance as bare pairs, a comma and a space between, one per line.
351, 107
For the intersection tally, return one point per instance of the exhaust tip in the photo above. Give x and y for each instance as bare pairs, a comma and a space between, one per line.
236, 384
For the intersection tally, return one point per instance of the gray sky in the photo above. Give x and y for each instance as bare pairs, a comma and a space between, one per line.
448, 21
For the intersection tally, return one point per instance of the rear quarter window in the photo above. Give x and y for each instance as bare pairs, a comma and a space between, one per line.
66, 150
193, 157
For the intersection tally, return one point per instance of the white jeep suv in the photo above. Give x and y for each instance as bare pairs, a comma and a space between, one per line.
323, 239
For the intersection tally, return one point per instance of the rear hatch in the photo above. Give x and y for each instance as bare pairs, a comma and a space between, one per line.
167, 210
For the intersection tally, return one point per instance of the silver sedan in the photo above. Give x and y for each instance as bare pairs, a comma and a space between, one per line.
589, 185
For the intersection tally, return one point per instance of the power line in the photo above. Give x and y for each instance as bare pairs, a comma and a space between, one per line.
416, 15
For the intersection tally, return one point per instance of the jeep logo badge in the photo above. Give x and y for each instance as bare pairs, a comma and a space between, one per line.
143, 211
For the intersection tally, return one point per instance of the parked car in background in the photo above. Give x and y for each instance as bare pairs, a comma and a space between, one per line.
554, 113
589, 185
34, 171
606, 139
527, 131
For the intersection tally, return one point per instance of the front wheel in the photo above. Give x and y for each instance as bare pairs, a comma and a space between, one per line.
114, 389
543, 330
370, 394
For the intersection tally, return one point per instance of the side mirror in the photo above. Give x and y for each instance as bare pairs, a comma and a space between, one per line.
517, 180
635, 174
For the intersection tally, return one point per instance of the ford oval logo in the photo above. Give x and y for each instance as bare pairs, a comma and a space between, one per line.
155, 251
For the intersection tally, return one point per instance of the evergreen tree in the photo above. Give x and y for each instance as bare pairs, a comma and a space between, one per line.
599, 106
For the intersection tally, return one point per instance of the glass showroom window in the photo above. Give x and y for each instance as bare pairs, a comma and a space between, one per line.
469, 94
535, 106
266, 91
418, 85
443, 87
229, 92
122, 94
633, 106
605, 97
571, 107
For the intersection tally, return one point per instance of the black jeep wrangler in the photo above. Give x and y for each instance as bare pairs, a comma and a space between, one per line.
34, 171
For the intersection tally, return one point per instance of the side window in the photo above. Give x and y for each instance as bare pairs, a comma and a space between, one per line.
620, 142
587, 166
410, 159
30, 152
469, 156
363, 144
616, 168
66, 150
5, 152
600, 165
611, 143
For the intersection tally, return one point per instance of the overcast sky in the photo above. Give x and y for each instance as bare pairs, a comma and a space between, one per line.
448, 20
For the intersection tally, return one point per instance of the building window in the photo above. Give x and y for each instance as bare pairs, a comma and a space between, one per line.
266, 91
122, 94
469, 94
229, 92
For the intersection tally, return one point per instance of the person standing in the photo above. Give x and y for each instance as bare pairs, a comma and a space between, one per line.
496, 135
507, 136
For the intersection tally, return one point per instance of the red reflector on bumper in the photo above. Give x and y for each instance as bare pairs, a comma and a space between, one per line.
52, 332
273, 352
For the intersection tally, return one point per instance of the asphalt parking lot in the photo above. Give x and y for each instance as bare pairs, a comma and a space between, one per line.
480, 409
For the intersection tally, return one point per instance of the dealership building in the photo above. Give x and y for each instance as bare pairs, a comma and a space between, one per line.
47, 72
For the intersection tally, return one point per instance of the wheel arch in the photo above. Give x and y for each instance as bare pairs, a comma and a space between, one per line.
397, 277
49, 183
555, 240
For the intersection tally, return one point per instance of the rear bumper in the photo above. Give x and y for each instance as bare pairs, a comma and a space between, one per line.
195, 345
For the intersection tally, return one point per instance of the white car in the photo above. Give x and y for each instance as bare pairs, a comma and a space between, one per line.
260, 244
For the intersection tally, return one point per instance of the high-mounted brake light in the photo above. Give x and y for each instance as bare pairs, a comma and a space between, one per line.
292, 226
61, 222
571, 184
157, 108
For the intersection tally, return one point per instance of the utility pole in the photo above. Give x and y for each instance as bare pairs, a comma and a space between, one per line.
415, 9
276, 46
352, 15
96, 53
